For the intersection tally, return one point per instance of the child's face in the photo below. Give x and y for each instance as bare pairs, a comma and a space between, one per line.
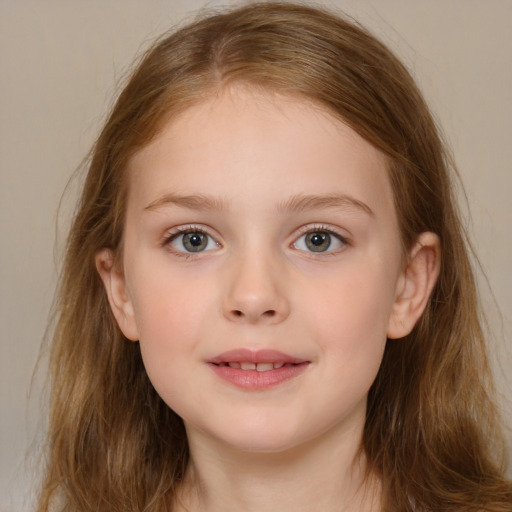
291, 245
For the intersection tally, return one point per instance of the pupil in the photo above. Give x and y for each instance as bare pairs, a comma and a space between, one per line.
195, 240
318, 242
318, 239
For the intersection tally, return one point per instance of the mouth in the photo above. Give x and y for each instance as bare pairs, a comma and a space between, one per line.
259, 367
257, 370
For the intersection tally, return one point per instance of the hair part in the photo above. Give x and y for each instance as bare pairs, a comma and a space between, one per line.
432, 434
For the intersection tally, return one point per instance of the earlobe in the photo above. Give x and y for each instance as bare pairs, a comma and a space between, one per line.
415, 285
115, 286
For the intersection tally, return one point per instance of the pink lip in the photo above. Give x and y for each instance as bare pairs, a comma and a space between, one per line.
253, 380
255, 356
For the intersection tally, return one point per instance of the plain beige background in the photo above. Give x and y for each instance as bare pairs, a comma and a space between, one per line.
60, 64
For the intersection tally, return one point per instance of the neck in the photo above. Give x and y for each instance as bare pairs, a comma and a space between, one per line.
317, 475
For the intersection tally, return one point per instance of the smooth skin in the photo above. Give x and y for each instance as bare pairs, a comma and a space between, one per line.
259, 221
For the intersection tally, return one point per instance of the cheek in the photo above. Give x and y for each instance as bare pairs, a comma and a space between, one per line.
350, 316
171, 315
166, 302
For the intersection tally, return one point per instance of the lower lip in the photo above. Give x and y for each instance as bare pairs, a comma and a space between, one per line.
252, 380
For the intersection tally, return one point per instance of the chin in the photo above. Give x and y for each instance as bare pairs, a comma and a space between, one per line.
261, 438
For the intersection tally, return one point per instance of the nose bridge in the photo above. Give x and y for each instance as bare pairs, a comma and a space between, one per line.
256, 290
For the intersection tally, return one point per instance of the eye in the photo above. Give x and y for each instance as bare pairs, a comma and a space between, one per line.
319, 241
192, 241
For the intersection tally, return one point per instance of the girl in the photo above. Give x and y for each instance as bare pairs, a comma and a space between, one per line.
267, 301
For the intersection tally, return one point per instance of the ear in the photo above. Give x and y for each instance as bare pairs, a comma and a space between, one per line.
115, 286
415, 285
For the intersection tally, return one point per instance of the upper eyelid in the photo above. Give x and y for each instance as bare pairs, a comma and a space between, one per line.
170, 233
308, 228
173, 232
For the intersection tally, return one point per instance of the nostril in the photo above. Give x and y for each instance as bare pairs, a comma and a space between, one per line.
270, 313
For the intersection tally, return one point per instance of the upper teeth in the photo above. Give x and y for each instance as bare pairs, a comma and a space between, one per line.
259, 367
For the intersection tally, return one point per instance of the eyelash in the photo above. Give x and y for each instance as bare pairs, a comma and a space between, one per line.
177, 232
322, 228
316, 228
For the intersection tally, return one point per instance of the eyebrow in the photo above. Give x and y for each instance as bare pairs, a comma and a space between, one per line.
300, 203
296, 204
198, 202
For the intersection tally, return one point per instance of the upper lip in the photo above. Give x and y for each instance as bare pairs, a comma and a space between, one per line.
255, 356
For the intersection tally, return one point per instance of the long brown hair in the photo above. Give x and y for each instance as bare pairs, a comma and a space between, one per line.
432, 433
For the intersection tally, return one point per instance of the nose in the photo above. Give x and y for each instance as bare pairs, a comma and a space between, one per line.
256, 292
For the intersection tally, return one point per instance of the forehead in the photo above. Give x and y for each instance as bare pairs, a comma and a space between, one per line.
245, 142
